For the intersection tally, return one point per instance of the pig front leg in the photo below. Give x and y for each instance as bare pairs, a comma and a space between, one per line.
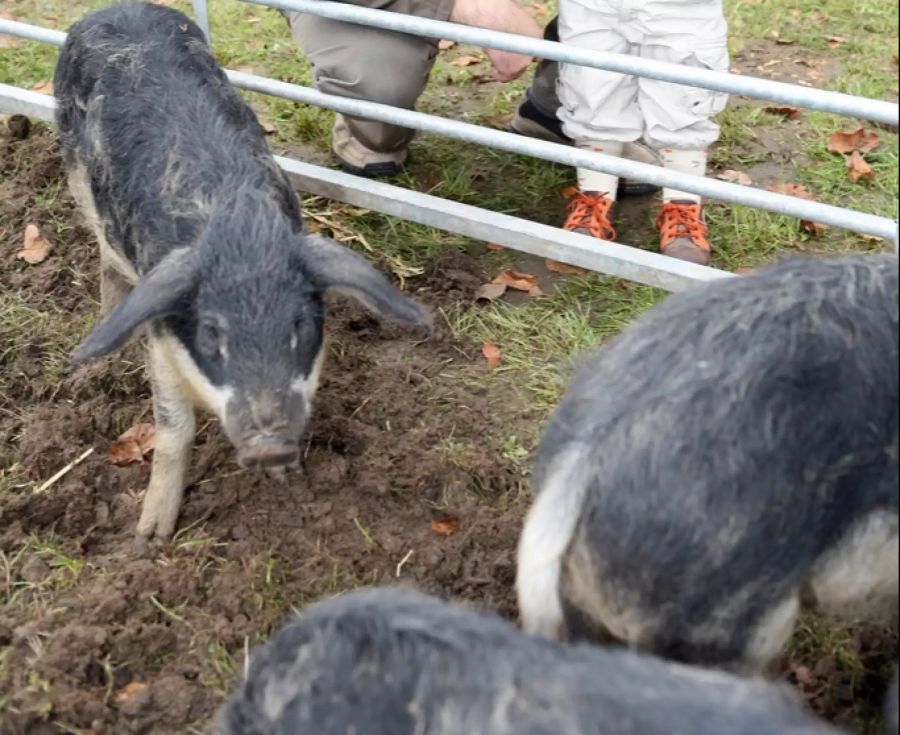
173, 408
113, 287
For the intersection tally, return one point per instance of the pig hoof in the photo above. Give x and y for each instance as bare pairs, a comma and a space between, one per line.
147, 546
277, 473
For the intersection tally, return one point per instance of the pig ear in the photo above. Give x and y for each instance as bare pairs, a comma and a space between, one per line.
157, 293
333, 267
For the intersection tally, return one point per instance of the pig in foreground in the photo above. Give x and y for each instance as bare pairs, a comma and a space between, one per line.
727, 460
201, 241
394, 662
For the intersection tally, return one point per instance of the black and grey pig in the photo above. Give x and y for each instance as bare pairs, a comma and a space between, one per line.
201, 240
727, 460
394, 662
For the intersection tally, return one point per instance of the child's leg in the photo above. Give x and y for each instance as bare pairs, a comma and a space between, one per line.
679, 119
599, 110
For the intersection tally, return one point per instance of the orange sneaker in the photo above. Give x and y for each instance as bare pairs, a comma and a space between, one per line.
589, 213
682, 232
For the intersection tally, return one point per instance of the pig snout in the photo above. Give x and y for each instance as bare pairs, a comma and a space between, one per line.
266, 430
268, 450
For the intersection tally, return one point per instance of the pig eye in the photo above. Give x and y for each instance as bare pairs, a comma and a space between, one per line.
210, 338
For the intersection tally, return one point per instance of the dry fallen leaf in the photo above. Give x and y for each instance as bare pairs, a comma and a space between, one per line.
857, 168
519, 281
495, 246
735, 177
245, 69
44, 87
555, 266
268, 128
801, 192
446, 45
490, 291
492, 354
127, 691
835, 41
35, 247
861, 140
743, 271
501, 122
787, 112
870, 238
133, 445
445, 526
465, 60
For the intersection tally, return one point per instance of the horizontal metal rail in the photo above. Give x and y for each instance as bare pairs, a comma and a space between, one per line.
531, 237
567, 155
791, 94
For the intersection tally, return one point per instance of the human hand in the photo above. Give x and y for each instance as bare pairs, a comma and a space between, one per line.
499, 15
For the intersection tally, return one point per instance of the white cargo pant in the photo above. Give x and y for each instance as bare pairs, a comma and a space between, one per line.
600, 105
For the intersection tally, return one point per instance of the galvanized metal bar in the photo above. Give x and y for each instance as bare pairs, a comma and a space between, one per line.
567, 155
791, 94
32, 32
201, 18
571, 156
530, 237
18, 101
513, 232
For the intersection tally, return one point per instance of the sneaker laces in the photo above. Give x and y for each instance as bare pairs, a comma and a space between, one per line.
682, 219
590, 211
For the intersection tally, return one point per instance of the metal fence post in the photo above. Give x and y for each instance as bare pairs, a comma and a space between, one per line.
201, 18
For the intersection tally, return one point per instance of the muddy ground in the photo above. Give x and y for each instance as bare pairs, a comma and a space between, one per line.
93, 640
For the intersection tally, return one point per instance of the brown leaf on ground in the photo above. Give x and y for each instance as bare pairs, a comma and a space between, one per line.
445, 526
465, 60
861, 140
495, 246
501, 122
735, 177
446, 45
743, 271
791, 189
519, 282
133, 445
268, 128
35, 247
556, 266
801, 192
835, 41
44, 87
870, 238
128, 691
490, 291
245, 69
787, 112
492, 354
857, 168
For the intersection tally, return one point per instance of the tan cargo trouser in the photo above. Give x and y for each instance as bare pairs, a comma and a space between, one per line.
367, 64
388, 67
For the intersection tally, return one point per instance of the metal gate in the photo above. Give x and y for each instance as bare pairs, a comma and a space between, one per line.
520, 234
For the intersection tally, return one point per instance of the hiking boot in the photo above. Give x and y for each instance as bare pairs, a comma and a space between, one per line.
533, 123
355, 158
590, 213
682, 232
